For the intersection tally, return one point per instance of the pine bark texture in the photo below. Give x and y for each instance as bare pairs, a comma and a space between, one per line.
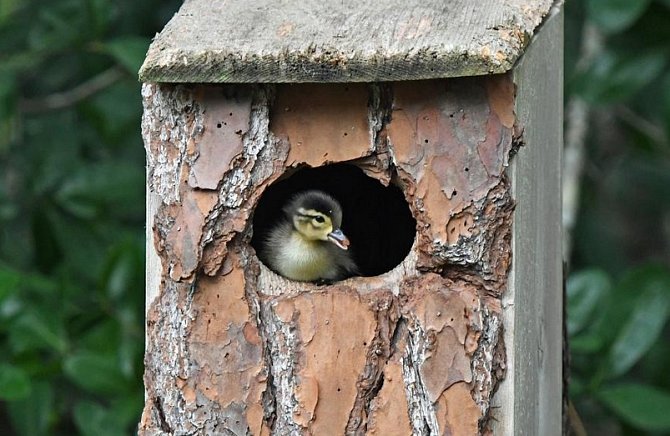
233, 348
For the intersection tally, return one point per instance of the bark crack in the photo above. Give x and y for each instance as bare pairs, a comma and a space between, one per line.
380, 108
421, 410
233, 188
160, 415
398, 334
269, 396
280, 342
488, 365
372, 395
371, 380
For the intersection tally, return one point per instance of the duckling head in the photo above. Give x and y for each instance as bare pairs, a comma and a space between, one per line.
317, 216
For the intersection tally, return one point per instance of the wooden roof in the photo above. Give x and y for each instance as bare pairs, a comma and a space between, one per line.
258, 41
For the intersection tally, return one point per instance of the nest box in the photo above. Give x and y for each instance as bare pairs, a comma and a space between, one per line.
437, 125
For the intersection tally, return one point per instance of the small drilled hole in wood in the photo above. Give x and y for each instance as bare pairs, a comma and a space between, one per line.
453, 194
467, 169
425, 141
345, 133
218, 125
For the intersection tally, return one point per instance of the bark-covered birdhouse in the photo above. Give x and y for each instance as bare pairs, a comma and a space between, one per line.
431, 134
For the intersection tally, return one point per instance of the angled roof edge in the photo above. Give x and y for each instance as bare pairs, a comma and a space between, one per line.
282, 41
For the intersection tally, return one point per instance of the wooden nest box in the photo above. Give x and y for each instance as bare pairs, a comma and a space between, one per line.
437, 125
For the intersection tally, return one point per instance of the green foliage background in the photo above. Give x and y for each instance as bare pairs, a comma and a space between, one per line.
618, 64
72, 214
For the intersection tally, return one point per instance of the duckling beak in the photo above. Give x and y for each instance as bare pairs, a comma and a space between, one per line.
338, 238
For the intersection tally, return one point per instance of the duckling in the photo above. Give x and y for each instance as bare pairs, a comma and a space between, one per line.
307, 243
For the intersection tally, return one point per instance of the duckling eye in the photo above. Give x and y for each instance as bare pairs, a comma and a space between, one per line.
319, 219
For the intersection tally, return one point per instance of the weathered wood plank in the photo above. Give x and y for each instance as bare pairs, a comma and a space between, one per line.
340, 41
530, 398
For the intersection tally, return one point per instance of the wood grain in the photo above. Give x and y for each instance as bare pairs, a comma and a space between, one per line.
275, 41
530, 398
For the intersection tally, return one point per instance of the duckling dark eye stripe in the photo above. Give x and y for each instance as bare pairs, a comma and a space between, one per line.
304, 215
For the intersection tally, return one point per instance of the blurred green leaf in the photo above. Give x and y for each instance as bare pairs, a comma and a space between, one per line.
124, 268
92, 419
121, 276
7, 210
53, 27
8, 99
655, 365
586, 291
114, 113
576, 387
96, 373
648, 32
82, 262
31, 416
665, 90
7, 94
98, 16
586, 343
625, 296
33, 330
129, 51
46, 247
616, 15
130, 356
642, 329
72, 211
643, 407
615, 76
127, 411
9, 282
40, 284
7, 7
103, 338
14, 383
97, 189
651, 181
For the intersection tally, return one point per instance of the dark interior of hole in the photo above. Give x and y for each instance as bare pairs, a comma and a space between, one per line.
376, 218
